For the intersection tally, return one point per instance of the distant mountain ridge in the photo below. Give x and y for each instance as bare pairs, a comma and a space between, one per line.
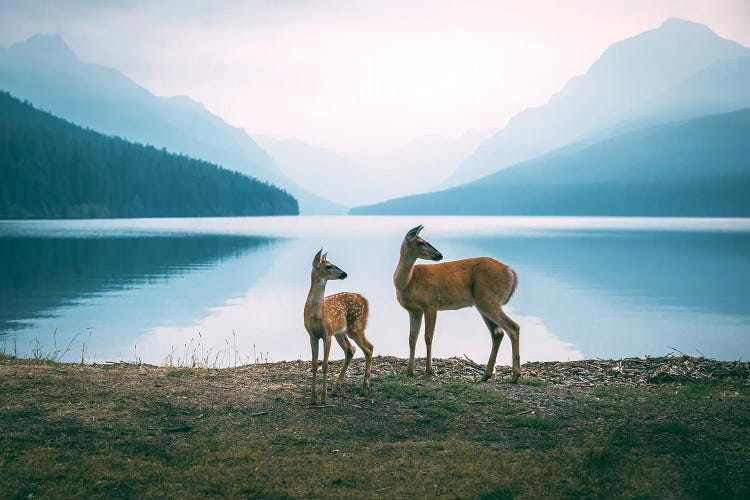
45, 71
633, 80
698, 167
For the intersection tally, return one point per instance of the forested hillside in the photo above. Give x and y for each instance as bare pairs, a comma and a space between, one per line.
52, 169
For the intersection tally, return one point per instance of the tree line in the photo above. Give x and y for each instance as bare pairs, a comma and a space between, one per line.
50, 168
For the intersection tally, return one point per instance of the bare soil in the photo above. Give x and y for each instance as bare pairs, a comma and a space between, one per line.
674, 427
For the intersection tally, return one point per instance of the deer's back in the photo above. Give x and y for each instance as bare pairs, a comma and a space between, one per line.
460, 283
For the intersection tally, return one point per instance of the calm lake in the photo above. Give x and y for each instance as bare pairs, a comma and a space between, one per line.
231, 290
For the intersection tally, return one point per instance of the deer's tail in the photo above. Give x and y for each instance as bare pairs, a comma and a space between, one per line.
513, 283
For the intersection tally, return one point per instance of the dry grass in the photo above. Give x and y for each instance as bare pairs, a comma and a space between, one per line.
134, 431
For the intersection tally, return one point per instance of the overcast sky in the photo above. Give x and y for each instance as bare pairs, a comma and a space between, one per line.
353, 74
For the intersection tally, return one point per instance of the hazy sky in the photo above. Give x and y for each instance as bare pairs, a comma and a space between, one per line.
349, 74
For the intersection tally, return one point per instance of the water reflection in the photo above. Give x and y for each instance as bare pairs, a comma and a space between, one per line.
105, 291
633, 293
227, 291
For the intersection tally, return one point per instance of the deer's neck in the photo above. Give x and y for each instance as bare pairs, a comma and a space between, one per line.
402, 276
314, 304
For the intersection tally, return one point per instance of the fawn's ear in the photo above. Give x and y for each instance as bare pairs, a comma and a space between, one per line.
317, 260
413, 232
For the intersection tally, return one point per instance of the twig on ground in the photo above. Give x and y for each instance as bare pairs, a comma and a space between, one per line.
470, 362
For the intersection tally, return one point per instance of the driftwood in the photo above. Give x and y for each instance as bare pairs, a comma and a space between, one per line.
636, 371
588, 373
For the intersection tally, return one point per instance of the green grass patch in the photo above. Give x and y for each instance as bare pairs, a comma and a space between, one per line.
532, 422
182, 372
403, 388
674, 428
599, 458
290, 442
531, 381
616, 392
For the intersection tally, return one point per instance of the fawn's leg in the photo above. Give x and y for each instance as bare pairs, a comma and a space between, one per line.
367, 348
348, 353
326, 353
314, 346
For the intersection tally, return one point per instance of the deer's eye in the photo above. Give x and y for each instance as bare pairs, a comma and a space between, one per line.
421, 243
329, 267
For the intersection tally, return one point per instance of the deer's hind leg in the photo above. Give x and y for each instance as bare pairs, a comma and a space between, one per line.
357, 333
497, 336
514, 332
491, 309
348, 354
430, 317
504, 322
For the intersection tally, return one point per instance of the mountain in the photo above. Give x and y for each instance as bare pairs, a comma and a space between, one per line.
45, 71
698, 167
358, 177
622, 85
722, 87
51, 168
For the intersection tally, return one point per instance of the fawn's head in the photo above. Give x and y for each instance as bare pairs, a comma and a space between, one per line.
324, 269
417, 247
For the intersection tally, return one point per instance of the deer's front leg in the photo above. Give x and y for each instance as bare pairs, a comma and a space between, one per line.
314, 346
430, 316
415, 323
326, 352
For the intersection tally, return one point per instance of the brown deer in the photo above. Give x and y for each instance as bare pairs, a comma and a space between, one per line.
343, 316
423, 290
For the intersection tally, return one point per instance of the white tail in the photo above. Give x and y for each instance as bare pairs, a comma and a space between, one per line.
423, 290
343, 315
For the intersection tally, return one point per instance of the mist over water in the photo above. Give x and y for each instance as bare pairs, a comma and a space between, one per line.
232, 290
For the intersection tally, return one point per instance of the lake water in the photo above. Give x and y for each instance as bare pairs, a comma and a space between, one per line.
231, 290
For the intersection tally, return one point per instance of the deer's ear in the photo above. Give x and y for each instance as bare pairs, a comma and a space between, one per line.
324, 257
413, 232
317, 259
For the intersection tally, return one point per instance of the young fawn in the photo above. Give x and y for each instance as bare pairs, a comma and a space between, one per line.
343, 316
423, 290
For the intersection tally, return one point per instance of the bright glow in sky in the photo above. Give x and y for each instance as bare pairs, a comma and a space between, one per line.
350, 75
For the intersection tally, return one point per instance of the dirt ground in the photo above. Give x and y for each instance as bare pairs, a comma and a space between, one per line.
672, 427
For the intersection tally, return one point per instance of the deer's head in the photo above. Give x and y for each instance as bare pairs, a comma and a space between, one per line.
417, 247
325, 269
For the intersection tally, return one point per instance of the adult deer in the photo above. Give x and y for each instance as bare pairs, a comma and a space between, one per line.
423, 290
343, 316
